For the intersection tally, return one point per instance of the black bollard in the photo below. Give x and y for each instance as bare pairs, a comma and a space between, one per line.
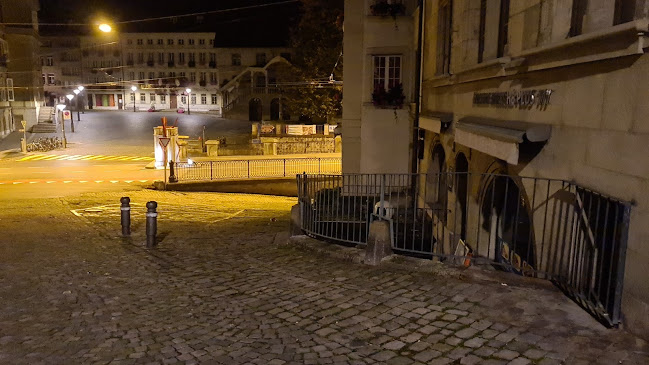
126, 215
172, 175
151, 224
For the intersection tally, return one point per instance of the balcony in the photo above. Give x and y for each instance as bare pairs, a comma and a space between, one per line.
191, 64
170, 64
150, 63
212, 64
202, 83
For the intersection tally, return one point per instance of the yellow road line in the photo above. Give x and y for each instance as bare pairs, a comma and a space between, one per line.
29, 157
87, 157
73, 157
41, 157
53, 157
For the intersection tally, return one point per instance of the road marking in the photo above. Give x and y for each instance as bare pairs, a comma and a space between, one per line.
29, 157
128, 181
17, 182
67, 181
44, 157
33, 182
114, 181
144, 180
99, 181
83, 181
50, 182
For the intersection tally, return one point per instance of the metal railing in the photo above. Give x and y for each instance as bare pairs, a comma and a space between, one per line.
544, 228
250, 169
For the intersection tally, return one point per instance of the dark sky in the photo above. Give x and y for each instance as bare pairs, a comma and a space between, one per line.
262, 26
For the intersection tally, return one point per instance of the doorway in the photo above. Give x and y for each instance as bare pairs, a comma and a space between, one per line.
461, 186
173, 101
255, 110
274, 109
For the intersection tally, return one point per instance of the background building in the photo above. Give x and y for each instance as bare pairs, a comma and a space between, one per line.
23, 86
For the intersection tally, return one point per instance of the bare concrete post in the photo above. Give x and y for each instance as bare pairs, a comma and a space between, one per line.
379, 243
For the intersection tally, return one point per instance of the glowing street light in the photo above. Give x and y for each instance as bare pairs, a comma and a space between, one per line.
106, 28
133, 88
189, 99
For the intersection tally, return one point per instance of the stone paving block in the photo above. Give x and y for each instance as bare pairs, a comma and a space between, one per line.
470, 360
520, 361
466, 333
475, 342
394, 345
506, 354
427, 355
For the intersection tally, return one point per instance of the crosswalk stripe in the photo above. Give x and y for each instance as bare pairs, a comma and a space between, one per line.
87, 157
29, 157
40, 157
50, 158
71, 158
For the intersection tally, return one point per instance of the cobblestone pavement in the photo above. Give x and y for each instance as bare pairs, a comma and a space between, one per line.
220, 290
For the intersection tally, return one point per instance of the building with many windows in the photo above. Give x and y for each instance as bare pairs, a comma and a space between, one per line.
22, 89
531, 136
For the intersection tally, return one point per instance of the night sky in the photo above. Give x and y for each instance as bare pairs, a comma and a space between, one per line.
265, 26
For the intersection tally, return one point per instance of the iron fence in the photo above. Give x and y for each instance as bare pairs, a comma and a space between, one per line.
544, 228
258, 168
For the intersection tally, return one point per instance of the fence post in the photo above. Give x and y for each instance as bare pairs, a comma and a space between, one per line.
319, 170
284, 167
248, 169
211, 171
382, 201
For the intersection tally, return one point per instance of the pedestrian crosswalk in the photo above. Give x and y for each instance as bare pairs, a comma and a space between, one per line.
23, 182
45, 157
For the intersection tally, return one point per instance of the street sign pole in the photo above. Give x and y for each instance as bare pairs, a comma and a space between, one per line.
23, 142
65, 142
164, 142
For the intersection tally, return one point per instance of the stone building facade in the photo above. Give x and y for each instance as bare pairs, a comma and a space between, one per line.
540, 88
567, 76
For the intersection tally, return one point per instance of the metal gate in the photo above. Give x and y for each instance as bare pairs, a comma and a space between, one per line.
544, 228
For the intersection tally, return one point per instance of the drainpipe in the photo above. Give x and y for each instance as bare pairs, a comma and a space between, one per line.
415, 127
418, 66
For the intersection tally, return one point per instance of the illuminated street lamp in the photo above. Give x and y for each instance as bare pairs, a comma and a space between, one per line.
133, 88
76, 92
60, 108
70, 97
189, 99
106, 28
81, 88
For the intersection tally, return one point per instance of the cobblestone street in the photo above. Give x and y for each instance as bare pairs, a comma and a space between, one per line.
222, 288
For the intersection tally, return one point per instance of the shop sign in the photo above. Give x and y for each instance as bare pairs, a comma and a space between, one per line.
515, 98
267, 129
300, 130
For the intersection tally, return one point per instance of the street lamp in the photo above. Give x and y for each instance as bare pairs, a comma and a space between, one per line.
76, 92
60, 108
106, 28
81, 88
70, 97
133, 88
189, 99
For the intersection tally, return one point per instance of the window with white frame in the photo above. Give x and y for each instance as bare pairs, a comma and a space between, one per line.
192, 76
181, 42
213, 57
50, 61
203, 76
151, 75
183, 99
50, 79
139, 42
131, 75
141, 75
182, 74
160, 42
142, 97
203, 99
201, 41
163, 98
215, 99
170, 42
191, 42
132, 97
149, 42
161, 74
193, 97
213, 77
202, 57
236, 59
152, 97
44, 79
387, 72
181, 58
10, 89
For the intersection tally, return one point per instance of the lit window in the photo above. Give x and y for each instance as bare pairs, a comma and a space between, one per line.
387, 72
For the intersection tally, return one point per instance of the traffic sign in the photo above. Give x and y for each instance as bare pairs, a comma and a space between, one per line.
164, 141
67, 115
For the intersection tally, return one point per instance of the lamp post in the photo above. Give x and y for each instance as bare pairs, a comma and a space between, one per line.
81, 88
133, 88
70, 97
60, 108
189, 99
76, 92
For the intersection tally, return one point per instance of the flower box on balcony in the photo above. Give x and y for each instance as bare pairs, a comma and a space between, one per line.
383, 8
393, 98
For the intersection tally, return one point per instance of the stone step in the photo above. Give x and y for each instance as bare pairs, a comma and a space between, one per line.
44, 128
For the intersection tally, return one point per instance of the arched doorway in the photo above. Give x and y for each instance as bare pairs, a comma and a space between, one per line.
507, 219
274, 109
255, 110
461, 192
436, 182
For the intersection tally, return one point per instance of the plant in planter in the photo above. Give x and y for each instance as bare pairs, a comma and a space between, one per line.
383, 8
394, 97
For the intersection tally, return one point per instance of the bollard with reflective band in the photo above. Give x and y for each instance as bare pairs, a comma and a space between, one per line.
151, 224
126, 215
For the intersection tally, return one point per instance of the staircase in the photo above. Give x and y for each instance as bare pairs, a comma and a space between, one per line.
45, 123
